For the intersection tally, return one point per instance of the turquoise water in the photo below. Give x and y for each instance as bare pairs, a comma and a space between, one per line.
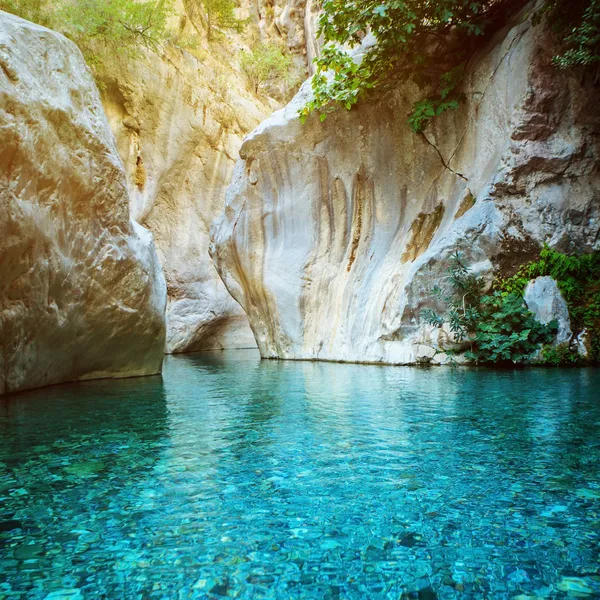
232, 477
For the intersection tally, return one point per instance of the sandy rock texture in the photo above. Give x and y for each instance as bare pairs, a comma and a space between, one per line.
81, 290
179, 116
334, 234
178, 129
289, 23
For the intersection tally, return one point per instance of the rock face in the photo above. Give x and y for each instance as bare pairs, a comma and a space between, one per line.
334, 234
81, 291
178, 129
179, 118
544, 300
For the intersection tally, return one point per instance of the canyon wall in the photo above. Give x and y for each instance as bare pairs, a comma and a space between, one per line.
178, 129
179, 115
334, 234
82, 294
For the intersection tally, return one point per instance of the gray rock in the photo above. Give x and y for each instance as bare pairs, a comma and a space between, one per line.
544, 300
582, 343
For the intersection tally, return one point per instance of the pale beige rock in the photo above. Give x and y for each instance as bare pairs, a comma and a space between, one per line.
334, 234
179, 117
179, 123
81, 291
313, 42
544, 299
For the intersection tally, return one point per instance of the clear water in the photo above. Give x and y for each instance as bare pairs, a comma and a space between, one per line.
248, 479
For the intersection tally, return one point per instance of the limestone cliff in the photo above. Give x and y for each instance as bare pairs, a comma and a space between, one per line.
334, 234
178, 130
81, 291
179, 116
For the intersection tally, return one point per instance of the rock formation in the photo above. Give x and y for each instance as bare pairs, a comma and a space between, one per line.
178, 129
81, 291
179, 117
545, 301
335, 233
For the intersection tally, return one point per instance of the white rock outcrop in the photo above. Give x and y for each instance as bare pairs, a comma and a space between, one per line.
545, 301
334, 234
81, 291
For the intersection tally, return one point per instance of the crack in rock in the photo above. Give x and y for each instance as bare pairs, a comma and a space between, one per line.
442, 158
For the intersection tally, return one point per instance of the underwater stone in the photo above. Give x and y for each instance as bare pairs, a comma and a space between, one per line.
65, 594
575, 587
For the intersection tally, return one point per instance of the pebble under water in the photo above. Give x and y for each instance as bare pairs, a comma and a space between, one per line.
232, 477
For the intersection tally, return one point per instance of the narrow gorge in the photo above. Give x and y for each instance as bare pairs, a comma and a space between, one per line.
397, 202
178, 116
333, 233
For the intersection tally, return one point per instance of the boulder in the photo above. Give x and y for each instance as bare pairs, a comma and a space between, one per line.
82, 294
545, 301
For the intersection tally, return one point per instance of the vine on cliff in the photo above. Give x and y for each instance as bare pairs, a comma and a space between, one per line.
410, 36
429, 43
577, 23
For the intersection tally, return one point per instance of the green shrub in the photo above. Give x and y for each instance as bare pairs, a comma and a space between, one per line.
498, 327
507, 331
560, 356
264, 62
36, 11
217, 15
103, 29
578, 278
404, 31
577, 23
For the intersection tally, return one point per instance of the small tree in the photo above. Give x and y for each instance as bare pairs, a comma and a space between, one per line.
266, 61
219, 14
114, 27
101, 28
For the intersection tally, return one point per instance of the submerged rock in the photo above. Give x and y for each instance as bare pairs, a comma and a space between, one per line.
81, 291
334, 234
65, 594
545, 301
576, 587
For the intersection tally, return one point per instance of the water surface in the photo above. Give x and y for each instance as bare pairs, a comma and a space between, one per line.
231, 477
